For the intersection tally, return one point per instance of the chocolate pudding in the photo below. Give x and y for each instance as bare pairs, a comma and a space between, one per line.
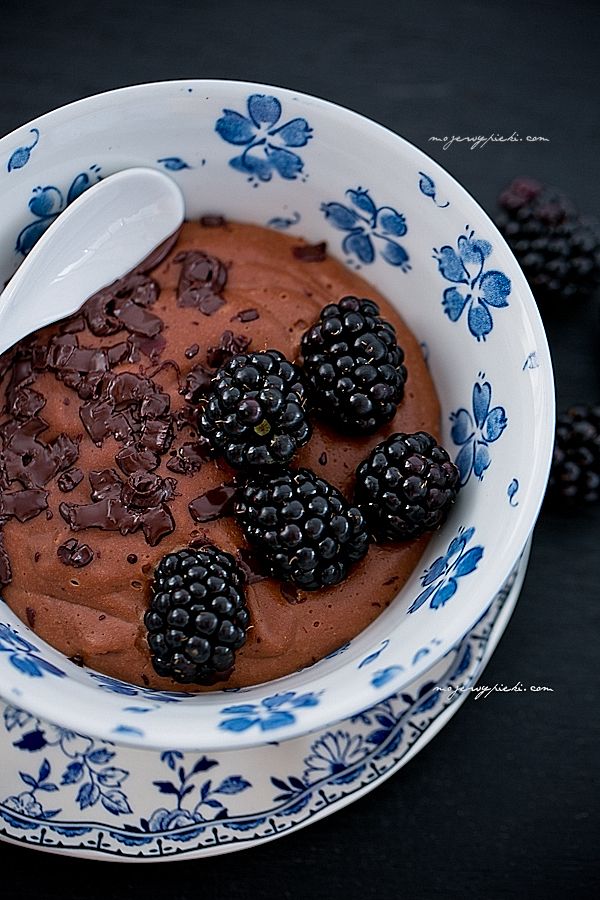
103, 472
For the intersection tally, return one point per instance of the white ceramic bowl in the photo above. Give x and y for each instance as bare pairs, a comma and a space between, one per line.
278, 158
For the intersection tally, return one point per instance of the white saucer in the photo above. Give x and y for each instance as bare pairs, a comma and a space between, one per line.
74, 795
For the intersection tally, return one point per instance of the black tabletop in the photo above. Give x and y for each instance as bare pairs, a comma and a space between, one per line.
503, 803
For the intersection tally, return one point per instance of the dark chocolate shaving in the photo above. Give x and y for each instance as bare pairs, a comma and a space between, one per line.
105, 484
311, 252
201, 281
133, 459
192, 351
189, 458
5, 569
323, 458
68, 481
245, 315
197, 384
230, 345
212, 221
108, 515
109, 310
72, 553
214, 504
31, 461
23, 505
157, 523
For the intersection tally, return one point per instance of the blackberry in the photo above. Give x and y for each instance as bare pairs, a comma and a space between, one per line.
254, 413
575, 470
197, 617
558, 250
354, 366
406, 486
302, 528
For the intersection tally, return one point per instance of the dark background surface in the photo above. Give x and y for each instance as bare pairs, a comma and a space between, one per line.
504, 802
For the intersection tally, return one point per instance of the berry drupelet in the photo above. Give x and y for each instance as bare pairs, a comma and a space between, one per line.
254, 413
354, 366
558, 250
575, 471
197, 617
406, 486
302, 527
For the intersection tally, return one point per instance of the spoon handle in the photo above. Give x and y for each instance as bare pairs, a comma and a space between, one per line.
100, 237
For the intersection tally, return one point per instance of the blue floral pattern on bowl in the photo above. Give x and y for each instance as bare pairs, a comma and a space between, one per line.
484, 289
20, 156
368, 227
207, 800
48, 202
428, 189
473, 433
24, 656
440, 580
268, 145
273, 712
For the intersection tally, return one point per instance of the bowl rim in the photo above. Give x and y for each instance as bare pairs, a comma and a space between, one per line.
346, 703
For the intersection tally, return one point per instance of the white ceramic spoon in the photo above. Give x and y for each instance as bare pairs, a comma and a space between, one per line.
100, 237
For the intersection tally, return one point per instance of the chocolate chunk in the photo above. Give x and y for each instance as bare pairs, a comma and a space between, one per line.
212, 221
192, 351
135, 459
77, 660
72, 553
105, 484
30, 615
144, 491
201, 281
311, 252
214, 504
157, 523
96, 417
323, 458
246, 315
5, 569
101, 311
197, 384
68, 481
108, 515
23, 505
157, 435
230, 345
186, 418
189, 458
137, 319
153, 347
27, 403
132, 559
31, 461
73, 325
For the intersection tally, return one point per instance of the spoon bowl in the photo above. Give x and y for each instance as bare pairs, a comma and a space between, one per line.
100, 237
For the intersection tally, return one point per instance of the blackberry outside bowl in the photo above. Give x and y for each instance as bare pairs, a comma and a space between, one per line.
274, 157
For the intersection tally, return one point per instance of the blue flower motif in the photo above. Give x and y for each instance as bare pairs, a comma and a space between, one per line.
272, 712
427, 187
440, 581
474, 433
208, 807
484, 289
511, 490
47, 203
173, 163
259, 132
25, 656
367, 223
116, 686
20, 156
331, 755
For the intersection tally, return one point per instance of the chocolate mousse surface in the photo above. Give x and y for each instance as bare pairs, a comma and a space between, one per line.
102, 470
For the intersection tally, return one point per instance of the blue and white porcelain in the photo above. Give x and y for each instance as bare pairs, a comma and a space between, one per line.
65, 792
275, 157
